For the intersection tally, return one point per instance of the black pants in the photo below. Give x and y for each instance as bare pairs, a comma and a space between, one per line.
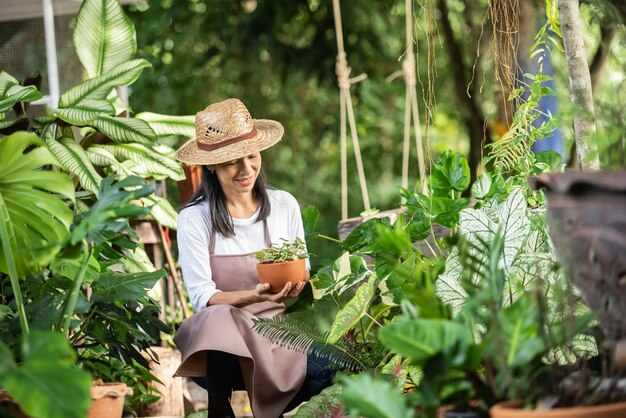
224, 375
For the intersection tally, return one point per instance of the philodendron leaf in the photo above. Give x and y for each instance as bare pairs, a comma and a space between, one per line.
353, 311
46, 384
11, 92
104, 36
125, 130
99, 87
166, 125
116, 287
74, 159
364, 395
85, 112
421, 339
34, 220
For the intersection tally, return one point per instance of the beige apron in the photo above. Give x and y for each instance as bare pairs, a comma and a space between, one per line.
273, 374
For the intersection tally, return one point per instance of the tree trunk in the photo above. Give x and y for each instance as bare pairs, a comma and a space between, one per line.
580, 86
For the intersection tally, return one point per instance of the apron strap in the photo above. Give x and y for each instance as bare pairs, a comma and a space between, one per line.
266, 233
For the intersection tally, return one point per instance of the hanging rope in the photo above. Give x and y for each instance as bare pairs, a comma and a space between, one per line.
343, 78
411, 108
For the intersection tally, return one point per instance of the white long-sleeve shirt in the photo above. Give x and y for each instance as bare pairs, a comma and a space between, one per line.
194, 235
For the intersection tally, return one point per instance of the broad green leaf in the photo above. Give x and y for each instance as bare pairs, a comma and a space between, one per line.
104, 36
11, 92
117, 287
371, 397
99, 87
70, 267
421, 339
149, 163
73, 158
125, 130
35, 222
46, 384
162, 210
137, 261
451, 173
353, 311
166, 125
85, 112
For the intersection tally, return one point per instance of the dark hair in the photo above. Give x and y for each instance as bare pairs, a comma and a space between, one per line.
210, 190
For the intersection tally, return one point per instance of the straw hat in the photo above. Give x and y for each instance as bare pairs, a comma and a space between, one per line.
225, 131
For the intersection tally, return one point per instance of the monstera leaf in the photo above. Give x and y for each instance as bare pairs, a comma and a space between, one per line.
104, 36
34, 221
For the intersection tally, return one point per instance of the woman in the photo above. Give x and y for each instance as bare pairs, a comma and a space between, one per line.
232, 216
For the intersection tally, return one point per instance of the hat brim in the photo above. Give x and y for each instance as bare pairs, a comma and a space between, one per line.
269, 132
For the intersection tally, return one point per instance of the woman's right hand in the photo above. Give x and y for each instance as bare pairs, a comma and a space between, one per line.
262, 291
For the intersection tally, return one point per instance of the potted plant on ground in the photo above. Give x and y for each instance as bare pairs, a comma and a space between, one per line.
283, 263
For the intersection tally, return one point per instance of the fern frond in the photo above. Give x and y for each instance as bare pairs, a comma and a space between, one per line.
295, 335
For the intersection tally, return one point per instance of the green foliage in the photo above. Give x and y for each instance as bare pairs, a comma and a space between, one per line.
287, 251
35, 222
326, 404
305, 338
72, 259
374, 398
45, 383
104, 37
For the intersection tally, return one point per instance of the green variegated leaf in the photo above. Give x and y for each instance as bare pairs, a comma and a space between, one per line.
515, 226
104, 36
162, 210
9, 126
11, 92
103, 158
73, 158
35, 222
149, 163
85, 112
99, 87
125, 130
165, 125
353, 311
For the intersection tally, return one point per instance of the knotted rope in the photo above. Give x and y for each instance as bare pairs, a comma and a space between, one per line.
343, 79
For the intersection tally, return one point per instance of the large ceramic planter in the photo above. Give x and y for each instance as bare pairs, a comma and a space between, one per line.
587, 223
511, 409
108, 400
278, 274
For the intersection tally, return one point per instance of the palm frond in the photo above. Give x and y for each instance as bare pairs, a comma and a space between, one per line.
296, 335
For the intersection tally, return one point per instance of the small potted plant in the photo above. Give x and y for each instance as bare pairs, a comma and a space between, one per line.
282, 263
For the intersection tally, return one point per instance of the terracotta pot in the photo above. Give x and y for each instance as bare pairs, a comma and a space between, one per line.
278, 274
108, 400
587, 220
511, 409
193, 179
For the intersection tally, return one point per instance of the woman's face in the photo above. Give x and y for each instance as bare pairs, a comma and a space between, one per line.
239, 176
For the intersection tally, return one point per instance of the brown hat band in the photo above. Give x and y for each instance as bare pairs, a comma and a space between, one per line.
211, 147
